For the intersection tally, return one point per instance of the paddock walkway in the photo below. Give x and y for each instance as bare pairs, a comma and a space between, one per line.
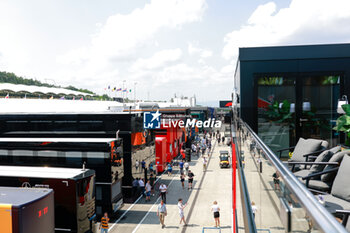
213, 184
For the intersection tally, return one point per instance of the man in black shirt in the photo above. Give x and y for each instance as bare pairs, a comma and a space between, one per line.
190, 179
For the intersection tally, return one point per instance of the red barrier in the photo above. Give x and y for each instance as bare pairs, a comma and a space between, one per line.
234, 163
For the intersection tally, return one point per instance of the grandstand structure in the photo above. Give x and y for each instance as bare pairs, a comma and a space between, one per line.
9, 90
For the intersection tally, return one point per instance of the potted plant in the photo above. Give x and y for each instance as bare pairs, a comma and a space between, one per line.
280, 113
343, 125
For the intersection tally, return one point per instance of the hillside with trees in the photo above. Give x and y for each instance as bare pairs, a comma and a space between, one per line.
7, 77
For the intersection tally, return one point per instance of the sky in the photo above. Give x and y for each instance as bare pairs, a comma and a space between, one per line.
161, 47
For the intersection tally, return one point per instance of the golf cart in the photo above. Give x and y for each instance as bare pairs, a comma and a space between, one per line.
224, 159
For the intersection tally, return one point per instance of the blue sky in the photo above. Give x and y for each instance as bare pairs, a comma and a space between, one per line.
167, 46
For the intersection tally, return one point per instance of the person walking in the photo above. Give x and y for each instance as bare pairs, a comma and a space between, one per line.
204, 164
182, 179
181, 207
276, 180
190, 179
181, 166
142, 187
148, 190
223, 140
163, 191
254, 208
204, 148
216, 210
143, 164
170, 169
152, 180
162, 212
104, 223
150, 167
135, 185
137, 164
187, 167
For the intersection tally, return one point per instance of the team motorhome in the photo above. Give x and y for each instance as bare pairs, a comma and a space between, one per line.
24, 210
74, 192
104, 155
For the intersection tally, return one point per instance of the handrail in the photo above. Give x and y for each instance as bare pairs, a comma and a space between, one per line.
323, 219
245, 199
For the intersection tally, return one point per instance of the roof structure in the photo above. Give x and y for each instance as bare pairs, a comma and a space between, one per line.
43, 172
56, 106
37, 89
21, 196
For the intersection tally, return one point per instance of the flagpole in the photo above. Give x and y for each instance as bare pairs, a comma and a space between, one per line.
135, 93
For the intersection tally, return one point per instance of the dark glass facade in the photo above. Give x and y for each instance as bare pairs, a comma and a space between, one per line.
295, 91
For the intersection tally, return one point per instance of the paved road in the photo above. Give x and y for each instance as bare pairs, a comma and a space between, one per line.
214, 184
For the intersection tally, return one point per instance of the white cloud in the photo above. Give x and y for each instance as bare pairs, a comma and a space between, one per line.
122, 35
158, 60
304, 21
194, 50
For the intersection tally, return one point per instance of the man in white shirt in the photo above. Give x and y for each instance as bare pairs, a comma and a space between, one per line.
142, 187
187, 166
163, 190
137, 164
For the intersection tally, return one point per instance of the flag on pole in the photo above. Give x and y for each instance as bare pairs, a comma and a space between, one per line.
7, 96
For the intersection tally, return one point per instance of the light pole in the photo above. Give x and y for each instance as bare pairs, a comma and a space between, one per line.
135, 93
123, 91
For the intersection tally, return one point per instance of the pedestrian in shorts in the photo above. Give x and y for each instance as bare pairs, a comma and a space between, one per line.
148, 189
216, 210
190, 179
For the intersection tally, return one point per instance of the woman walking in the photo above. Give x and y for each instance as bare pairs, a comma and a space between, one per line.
148, 189
216, 210
181, 211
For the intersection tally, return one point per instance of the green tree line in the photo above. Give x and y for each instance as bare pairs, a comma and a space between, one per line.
7, 77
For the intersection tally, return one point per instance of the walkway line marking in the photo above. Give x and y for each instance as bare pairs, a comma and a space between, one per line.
149, 211
133, 204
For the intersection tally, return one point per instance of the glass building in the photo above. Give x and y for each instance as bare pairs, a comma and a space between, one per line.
288, 92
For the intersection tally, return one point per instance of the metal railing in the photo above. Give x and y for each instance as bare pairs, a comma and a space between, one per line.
319, 215
245, 199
